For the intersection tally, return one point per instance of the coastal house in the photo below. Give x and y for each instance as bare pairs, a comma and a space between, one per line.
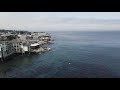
35, 37
17, 47
29, 37
25, 47
22, 37
6, 49
35, 46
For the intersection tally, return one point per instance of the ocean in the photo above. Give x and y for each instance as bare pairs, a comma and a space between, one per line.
74, 54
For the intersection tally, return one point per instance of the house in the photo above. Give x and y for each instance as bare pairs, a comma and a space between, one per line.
34, 46
6, 49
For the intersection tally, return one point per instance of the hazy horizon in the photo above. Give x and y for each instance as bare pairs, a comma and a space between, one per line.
60, 21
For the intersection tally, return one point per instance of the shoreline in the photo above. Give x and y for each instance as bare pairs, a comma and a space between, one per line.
32, 42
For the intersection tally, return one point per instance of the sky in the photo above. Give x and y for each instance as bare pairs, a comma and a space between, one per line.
60, 21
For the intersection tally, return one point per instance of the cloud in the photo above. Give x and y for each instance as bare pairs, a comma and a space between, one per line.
29, 21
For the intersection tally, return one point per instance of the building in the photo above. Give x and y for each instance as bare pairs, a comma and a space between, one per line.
6, 49
22, 43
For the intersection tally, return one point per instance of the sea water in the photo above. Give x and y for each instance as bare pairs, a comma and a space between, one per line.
74, 54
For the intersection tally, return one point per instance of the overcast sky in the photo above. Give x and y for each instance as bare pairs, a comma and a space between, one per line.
50, 21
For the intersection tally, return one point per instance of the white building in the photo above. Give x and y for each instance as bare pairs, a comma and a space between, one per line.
6, 49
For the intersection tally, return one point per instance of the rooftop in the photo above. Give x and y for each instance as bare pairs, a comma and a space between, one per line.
35, 44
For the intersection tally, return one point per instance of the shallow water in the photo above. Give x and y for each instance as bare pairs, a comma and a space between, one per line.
74, 55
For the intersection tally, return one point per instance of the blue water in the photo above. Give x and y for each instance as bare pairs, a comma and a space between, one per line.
74, 55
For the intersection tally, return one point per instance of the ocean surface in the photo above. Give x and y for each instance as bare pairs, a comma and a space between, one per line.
74, 54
